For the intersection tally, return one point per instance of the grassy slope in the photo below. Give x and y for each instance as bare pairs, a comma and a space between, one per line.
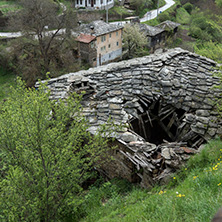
8, 6
194, 194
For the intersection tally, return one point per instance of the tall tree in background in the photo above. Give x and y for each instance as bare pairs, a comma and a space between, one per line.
134, 41
45, 154
40, 47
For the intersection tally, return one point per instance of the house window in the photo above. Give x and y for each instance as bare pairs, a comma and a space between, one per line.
80, 2
117, 43
77, 1
109, 45
101, 2
103, 48
89, 1
110, 35
103, 38
117, 33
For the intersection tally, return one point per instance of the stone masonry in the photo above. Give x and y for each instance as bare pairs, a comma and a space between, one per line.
166, 102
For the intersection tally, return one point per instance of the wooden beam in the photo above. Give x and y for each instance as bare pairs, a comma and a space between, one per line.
166, 130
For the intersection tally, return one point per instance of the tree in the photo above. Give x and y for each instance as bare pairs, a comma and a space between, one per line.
45, 154
219, 3
42, 47
134, 41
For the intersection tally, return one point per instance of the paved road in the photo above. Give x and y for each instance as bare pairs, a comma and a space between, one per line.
151, 14
148, 16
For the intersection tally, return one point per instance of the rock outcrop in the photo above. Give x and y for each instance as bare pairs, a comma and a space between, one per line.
166, 102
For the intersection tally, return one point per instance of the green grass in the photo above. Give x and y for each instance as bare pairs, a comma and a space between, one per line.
182, 16
9, 6
7, 80
193, 195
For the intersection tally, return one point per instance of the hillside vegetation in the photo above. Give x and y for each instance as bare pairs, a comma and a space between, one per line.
201, 27
192, 195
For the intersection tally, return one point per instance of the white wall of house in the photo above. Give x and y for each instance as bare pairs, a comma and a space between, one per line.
96, 4
109, 57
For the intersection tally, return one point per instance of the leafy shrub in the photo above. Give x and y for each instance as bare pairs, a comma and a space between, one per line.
164, 16
218, 3
188, 7
204, 28
210, 49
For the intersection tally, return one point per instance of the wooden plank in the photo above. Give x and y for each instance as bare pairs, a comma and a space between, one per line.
167, 131
147, 113
172, 120
198, 142
143, 127
168, 114
144, 103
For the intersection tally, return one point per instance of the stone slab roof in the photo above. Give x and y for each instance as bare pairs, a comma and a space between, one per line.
150, 30
168, 25
175, 86
99, 28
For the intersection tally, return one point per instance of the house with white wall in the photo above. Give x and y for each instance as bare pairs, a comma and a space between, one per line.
99, 42
94, 4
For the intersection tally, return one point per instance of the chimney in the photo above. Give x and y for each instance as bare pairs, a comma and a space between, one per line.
92, 29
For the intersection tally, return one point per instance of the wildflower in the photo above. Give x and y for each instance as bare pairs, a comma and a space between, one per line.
215, 168
195, 177
218, 184
180, 195
185, 168
174, 178
162, 192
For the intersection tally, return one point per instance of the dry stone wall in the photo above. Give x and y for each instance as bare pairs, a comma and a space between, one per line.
166, 102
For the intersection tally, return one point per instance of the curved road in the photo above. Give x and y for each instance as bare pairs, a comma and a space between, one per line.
148, 16
153, 14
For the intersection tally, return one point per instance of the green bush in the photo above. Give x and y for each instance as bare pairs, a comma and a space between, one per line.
210, 49
204, 28
188, 7
164, 16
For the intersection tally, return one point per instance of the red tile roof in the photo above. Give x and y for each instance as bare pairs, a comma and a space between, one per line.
85, 38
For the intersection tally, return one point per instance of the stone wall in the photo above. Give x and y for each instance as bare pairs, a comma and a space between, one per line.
167, 98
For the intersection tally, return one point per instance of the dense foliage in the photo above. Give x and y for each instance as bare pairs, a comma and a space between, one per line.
46, 154
134, 41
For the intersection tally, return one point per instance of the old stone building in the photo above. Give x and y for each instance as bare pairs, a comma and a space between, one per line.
165, 101
101, 41
170, 27
155, 36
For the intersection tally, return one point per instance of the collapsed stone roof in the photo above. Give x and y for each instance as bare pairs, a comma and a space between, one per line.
161, 97
98, 28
